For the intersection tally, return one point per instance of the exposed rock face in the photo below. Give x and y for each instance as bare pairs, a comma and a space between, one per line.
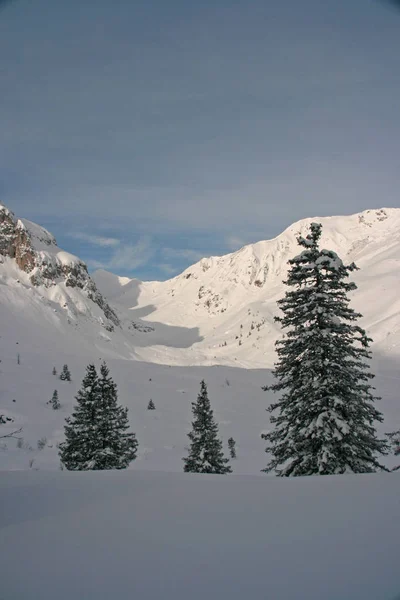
36, 252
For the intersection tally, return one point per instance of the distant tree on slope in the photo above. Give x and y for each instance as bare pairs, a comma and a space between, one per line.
232, 447
65, 374
151, 405
394, 438
324, 420
55, 403
96, 434
205, 454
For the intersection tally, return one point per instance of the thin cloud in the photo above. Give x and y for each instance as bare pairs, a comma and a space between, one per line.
168, 269
234, 243
95, 240
127, 257
185, 253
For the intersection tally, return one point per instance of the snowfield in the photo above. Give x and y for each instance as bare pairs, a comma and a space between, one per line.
103, 535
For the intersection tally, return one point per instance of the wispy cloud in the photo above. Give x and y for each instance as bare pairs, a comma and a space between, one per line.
127, 257
168, 269
183, 253
96, 240
234, 243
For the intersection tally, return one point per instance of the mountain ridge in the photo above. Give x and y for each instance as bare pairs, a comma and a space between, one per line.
219, 310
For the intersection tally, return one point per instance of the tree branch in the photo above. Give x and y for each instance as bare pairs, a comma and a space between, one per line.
12, 434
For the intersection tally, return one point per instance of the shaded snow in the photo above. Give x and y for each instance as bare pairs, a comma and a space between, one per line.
151, 535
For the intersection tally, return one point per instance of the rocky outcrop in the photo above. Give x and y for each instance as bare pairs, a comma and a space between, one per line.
35, 251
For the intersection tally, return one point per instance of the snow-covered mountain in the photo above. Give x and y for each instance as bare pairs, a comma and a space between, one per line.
218, 311
231, 299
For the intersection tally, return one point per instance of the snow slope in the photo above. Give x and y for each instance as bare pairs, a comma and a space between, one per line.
232, 299
97, 536
219, 311
236, 396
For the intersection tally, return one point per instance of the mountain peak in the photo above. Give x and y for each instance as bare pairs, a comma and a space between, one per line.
36, 254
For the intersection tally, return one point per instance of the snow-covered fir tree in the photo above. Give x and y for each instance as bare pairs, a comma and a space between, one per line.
324, 419
54, 371
119, 447
232, 447
205, 453
394, 438
96, 433
151, 405
54, 402
65, 374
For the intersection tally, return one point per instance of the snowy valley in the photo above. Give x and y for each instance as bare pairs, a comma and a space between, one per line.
213, 321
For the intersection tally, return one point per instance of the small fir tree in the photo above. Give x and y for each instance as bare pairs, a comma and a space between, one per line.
324, 420
150, 405
232, 447
96, 433
55, 403
65, 374
205, 454
394, 439
54, 371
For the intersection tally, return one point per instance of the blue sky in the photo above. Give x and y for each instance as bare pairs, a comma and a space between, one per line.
145, 134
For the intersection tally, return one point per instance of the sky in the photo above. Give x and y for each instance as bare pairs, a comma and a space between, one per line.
145, 134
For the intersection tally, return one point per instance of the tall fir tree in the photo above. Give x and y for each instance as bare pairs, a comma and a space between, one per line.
324, 420
96, 436
118, 446
205, 454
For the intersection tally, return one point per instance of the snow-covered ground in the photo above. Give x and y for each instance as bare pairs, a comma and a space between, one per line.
236, 397
103, 535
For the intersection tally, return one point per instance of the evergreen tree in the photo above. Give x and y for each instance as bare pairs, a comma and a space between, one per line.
77, 451
118, 446
54, 371
96, 437
232, 447
325, 416
206, 454
150, 405
65, 374
55, 403
394, 438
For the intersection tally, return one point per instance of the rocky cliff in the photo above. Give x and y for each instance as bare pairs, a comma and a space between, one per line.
36, 253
